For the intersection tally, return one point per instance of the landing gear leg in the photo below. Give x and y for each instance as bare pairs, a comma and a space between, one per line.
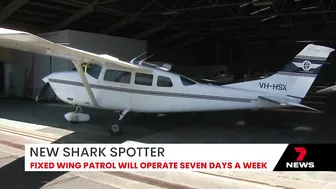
116, 128
78, 109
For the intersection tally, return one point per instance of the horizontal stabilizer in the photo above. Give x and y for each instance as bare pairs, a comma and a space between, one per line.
285, 102
276, 100
328, 90
303, 106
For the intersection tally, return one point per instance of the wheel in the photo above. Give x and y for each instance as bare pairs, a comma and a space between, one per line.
115, 129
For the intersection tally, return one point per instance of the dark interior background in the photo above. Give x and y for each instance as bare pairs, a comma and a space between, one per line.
255, 35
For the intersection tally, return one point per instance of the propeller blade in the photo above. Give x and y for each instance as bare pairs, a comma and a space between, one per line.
43, 90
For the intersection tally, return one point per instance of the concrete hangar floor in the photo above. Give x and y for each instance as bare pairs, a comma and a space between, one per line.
266, 126
24, 121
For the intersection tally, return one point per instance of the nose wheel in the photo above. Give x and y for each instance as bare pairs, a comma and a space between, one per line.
117, 128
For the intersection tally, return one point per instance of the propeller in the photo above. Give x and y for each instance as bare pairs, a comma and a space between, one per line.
43, 90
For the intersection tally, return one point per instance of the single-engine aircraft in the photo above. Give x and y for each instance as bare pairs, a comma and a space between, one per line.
113, 84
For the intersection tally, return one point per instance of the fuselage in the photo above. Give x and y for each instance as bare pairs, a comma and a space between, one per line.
161, 91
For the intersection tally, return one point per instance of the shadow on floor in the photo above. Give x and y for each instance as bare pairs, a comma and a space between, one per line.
209, 127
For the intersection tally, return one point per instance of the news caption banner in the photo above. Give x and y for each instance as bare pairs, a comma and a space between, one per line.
179, 157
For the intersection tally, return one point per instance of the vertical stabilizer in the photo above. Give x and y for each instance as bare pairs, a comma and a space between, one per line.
296, 78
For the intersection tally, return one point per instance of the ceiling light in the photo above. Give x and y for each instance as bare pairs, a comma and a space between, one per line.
262, 3
245, 4
268, 18
260, 10
169, 13
308, 8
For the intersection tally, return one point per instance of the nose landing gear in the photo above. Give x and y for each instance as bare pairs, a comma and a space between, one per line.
77, 116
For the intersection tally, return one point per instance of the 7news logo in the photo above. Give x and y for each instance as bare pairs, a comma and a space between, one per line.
299, 163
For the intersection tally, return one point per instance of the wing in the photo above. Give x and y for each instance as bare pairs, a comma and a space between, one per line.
31, 43
284, 102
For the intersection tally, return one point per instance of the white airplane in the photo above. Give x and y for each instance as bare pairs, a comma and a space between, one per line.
136, 87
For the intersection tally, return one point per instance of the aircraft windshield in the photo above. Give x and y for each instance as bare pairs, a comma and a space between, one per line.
93, 70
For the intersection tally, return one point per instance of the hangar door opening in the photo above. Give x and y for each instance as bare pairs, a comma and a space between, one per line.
2, 77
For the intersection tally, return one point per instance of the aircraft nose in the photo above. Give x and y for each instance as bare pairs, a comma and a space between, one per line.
61, 75
46, 78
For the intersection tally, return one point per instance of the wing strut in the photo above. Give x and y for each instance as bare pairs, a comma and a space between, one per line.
86, 83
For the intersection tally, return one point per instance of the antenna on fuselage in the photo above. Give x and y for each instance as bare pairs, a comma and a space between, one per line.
145, 59
132, 61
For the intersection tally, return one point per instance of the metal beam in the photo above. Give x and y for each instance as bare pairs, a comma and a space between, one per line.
155, 29
253, 17
150, 31
124, 14
89, 8
173, 37
126, 21
273, 34
51, 7
11, 8
291, 25
192, 8
192, 41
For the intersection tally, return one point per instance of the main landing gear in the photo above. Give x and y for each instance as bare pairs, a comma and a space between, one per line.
117, 128
78, 109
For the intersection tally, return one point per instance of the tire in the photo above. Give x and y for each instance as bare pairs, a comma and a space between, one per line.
115, 128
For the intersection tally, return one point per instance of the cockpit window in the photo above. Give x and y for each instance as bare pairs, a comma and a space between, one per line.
117, 76
186, 81
93, 70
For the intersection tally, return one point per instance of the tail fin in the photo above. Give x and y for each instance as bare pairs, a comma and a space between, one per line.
296, 78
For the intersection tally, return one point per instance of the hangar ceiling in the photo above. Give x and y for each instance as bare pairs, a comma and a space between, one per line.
178, 22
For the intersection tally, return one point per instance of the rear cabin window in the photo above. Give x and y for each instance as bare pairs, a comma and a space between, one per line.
186, 81
117, 76
93, 70
143, 79
163, 81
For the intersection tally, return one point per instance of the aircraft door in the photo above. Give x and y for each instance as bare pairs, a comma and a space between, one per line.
142, 85
114, 89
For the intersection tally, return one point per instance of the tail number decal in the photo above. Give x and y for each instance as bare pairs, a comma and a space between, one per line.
279, 87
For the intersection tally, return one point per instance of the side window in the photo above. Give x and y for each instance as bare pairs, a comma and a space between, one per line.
117, 76
93, 70
186, 81
163, 81
143, 79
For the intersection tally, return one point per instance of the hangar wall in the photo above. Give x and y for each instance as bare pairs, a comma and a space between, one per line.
19, 63
6, 56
